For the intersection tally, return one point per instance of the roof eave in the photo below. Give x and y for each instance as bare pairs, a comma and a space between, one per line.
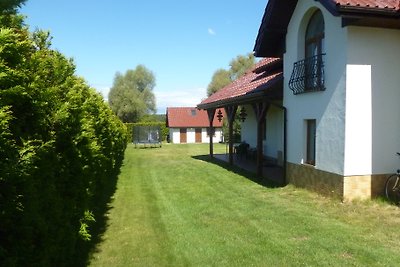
253, 96
270, 41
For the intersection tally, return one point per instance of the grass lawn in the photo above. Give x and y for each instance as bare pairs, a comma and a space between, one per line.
171, 208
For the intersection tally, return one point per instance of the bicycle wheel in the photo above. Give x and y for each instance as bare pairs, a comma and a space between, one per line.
392, 189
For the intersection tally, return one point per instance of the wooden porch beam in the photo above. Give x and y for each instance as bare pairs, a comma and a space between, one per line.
211, 114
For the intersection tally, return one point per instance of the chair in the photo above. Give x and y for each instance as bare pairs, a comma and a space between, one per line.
241, 149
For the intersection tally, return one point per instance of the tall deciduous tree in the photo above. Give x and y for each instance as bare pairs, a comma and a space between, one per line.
240, 65
131, 96
222, 77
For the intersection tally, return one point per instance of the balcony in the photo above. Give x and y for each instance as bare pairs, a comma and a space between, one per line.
308, 75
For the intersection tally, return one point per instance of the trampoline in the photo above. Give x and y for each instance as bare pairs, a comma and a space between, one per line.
147, 136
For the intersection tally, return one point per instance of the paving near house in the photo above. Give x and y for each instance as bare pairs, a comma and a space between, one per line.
173, 207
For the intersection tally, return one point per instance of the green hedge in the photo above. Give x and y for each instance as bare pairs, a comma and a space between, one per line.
60, 150
164, 129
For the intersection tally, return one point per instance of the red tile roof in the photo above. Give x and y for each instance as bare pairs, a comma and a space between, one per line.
250, 82
372, 4
187, 117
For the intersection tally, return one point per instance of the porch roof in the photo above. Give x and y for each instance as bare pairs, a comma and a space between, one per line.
264, 79
270, 41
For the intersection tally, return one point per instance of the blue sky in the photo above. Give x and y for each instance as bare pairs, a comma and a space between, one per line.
183, 42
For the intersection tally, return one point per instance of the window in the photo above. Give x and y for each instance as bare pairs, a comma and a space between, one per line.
193, 112
308, 74
314, 47
310, 139
315, 34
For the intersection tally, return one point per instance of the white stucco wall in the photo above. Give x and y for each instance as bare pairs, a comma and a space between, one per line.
175, 136
373, 93
274, 127
191, 136
274, 140
326, 107
216, 139
357, 115
249, 128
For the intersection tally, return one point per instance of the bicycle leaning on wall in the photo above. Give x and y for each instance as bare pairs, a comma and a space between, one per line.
392, 187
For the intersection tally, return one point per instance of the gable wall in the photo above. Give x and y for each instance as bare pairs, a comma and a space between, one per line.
373, 94
327, 107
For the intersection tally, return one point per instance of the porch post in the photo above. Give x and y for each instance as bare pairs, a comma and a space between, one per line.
230, 112
211, 113
260, 110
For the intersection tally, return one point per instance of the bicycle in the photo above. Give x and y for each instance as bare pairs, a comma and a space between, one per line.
392, 187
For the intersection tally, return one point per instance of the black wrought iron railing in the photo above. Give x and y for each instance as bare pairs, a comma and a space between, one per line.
308, 75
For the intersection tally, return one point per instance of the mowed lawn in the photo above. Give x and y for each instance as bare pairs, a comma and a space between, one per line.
174, 208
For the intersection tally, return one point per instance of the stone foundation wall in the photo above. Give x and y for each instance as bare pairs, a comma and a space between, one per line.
306, 176
364, 187
344, 187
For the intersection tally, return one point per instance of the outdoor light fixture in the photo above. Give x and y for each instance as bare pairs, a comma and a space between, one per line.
242, 114
219, 115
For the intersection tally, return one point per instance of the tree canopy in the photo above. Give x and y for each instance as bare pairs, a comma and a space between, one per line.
222, 77
131, 96
7, 6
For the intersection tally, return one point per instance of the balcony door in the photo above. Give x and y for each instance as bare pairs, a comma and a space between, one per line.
314, 49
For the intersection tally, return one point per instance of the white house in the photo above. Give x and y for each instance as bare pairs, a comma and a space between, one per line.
340, 89
341, 69
191, 125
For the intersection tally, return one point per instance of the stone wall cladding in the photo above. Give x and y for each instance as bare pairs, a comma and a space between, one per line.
306, 176
364, 187
345, 187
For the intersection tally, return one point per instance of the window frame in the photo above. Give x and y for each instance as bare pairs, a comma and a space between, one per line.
316, 44
311, 141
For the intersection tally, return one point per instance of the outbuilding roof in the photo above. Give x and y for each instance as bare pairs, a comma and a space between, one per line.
260, 79
189, 117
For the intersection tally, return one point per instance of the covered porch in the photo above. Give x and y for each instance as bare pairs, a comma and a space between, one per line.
270, 171
256, 98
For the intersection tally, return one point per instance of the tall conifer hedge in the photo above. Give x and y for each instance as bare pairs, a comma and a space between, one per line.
60, 151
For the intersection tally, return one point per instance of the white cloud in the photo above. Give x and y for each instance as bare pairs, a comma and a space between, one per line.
211, 32
179, 98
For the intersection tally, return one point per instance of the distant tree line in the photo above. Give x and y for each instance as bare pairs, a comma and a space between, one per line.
60, 149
